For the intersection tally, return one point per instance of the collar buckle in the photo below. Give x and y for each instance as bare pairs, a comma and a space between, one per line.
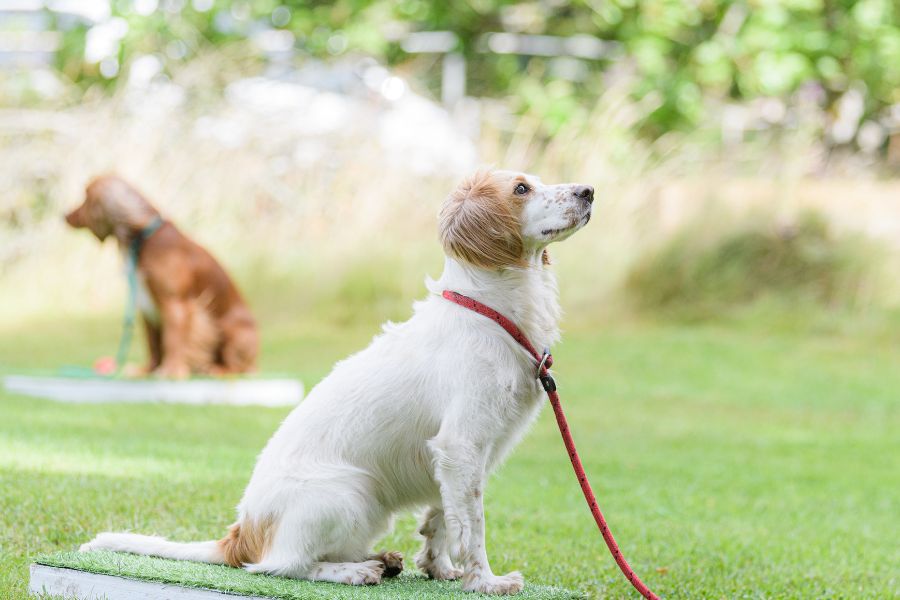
543, 374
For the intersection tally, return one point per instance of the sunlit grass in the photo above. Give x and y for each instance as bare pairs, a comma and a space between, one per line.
742, 459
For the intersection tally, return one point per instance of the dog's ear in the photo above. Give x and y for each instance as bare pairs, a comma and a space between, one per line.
97, 219
479, 224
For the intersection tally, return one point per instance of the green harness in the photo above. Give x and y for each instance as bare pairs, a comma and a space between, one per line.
131, 260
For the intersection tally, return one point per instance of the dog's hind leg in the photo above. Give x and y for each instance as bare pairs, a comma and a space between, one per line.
239, 344
297, 551
434, 557
362, 573
325, 531
368, 572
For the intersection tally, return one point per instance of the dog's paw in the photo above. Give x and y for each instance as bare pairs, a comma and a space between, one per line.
443, 573
501, 585
365, 573
392, 561
440, 567
172, 371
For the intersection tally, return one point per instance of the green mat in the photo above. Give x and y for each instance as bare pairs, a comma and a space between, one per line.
410, 584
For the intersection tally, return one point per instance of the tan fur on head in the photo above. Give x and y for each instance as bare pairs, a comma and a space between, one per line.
479, 223
112, 206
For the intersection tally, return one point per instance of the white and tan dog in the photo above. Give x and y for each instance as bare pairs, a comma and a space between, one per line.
418, 419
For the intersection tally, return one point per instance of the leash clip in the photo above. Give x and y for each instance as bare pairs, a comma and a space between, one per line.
546, 379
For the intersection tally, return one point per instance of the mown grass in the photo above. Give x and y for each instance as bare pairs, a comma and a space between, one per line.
753, 458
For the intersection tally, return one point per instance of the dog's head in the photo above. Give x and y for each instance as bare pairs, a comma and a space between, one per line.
498, 219
111, 206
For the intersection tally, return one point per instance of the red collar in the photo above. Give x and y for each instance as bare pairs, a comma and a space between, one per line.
544, 360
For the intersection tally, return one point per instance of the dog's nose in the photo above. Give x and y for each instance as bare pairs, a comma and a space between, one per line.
585, 192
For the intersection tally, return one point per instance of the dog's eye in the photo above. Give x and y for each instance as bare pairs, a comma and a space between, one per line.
521, 189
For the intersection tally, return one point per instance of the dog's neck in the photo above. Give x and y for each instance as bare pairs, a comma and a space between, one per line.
527, 295
127, 231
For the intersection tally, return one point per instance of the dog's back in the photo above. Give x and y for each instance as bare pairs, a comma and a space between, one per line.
220, 333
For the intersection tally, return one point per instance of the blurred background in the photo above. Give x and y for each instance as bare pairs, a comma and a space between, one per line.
732, 330
740, 149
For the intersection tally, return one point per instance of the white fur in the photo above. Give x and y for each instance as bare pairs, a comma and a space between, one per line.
143, 301
156, 546
419, 418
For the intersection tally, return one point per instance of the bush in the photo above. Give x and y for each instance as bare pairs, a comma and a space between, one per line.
799, 263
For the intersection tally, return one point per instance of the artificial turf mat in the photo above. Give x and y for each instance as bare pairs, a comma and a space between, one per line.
410, 584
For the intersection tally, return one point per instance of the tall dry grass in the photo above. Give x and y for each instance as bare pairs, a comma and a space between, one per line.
350, 228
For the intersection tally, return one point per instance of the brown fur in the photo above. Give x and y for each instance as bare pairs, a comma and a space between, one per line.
204, 325
479, 223
246, 543
392, 561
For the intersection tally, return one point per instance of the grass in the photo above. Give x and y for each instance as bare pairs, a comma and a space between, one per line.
746, 459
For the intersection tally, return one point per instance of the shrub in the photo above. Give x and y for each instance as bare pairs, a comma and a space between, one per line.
800, 263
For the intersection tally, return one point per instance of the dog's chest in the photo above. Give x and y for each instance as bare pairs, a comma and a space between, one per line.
143, 301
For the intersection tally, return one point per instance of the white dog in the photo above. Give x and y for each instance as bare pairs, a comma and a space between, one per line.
419, 418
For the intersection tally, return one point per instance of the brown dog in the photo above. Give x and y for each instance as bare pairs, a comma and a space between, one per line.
194, 316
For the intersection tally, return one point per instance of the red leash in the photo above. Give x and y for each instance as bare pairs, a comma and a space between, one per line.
544, 361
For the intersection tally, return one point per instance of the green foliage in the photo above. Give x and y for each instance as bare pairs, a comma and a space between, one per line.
804, 262
685, 56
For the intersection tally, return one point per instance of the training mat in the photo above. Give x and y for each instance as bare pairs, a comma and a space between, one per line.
235, 392
120, 576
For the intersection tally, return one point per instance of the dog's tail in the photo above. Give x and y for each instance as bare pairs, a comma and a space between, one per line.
151, 545
236, 549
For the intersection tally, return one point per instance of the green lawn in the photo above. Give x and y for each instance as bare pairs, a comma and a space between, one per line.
731, 461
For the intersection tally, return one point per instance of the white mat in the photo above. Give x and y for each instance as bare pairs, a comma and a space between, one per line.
69, 583
236, 392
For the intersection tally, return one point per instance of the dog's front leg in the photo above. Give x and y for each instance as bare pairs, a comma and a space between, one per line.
154, 345
460, 471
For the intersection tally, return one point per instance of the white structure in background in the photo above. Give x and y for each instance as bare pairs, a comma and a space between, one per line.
322, 105
30, 38
27, 35
233, 392
566, 52
306, 108
318, 103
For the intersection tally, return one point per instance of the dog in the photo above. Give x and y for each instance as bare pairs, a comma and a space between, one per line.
419, 418
193, 315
